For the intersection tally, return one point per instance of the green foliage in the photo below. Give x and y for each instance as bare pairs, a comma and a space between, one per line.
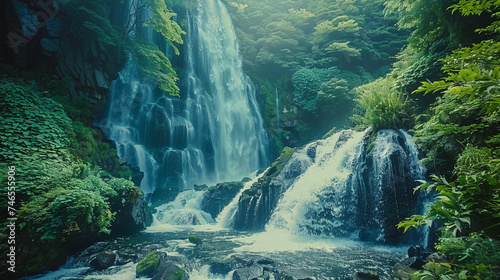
61, 202
459, 133
31, 125
307, 83
472, 257
156, 67
428, 19
464, 207
99, 26
152, 62
90, 21
382, 105
473, 72
468, 110
147, 266
161, 21
452, 207
333, 96
475, 7
286, 43
470, 204
344, 49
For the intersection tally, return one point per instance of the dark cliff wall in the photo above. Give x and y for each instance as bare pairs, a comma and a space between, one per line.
41, 37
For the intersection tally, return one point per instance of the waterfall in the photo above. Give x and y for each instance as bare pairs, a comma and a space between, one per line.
277, 109
226, 217
340, 186
222, 100
184, 210
299, 210
213, 133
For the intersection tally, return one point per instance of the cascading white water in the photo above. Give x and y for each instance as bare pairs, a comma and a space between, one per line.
184, 210
342, 188
221, 95
213, 133
333, 166
225, 219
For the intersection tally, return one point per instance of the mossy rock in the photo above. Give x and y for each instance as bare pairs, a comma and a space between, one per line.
193, 238
178, 274
147, 266
170, 271
280, 162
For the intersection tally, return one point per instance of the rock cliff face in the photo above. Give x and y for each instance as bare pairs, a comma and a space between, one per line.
365, 194
88, 67
34, 38
253, 215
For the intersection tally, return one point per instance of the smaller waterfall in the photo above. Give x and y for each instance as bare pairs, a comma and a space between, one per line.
184, 210
333, 167
226, 217
277, 109
341, 186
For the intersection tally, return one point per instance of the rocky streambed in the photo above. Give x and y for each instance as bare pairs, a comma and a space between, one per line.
228, 255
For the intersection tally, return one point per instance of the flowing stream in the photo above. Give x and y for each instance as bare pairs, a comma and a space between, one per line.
316, 229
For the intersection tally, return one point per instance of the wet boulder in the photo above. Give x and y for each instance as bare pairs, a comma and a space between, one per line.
418, 251
147, 267
158, 266
103, 260
219, 196
402, 271
251, 273
195, 239
169, 270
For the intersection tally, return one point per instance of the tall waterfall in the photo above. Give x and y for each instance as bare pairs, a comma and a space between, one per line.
213, 133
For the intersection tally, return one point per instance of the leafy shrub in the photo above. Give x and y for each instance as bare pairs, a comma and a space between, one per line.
31, 125
61, 200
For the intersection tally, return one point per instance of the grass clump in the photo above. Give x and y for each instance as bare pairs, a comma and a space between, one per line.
381, 105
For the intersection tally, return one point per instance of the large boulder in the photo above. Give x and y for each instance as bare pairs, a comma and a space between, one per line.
132, 213
195, 239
